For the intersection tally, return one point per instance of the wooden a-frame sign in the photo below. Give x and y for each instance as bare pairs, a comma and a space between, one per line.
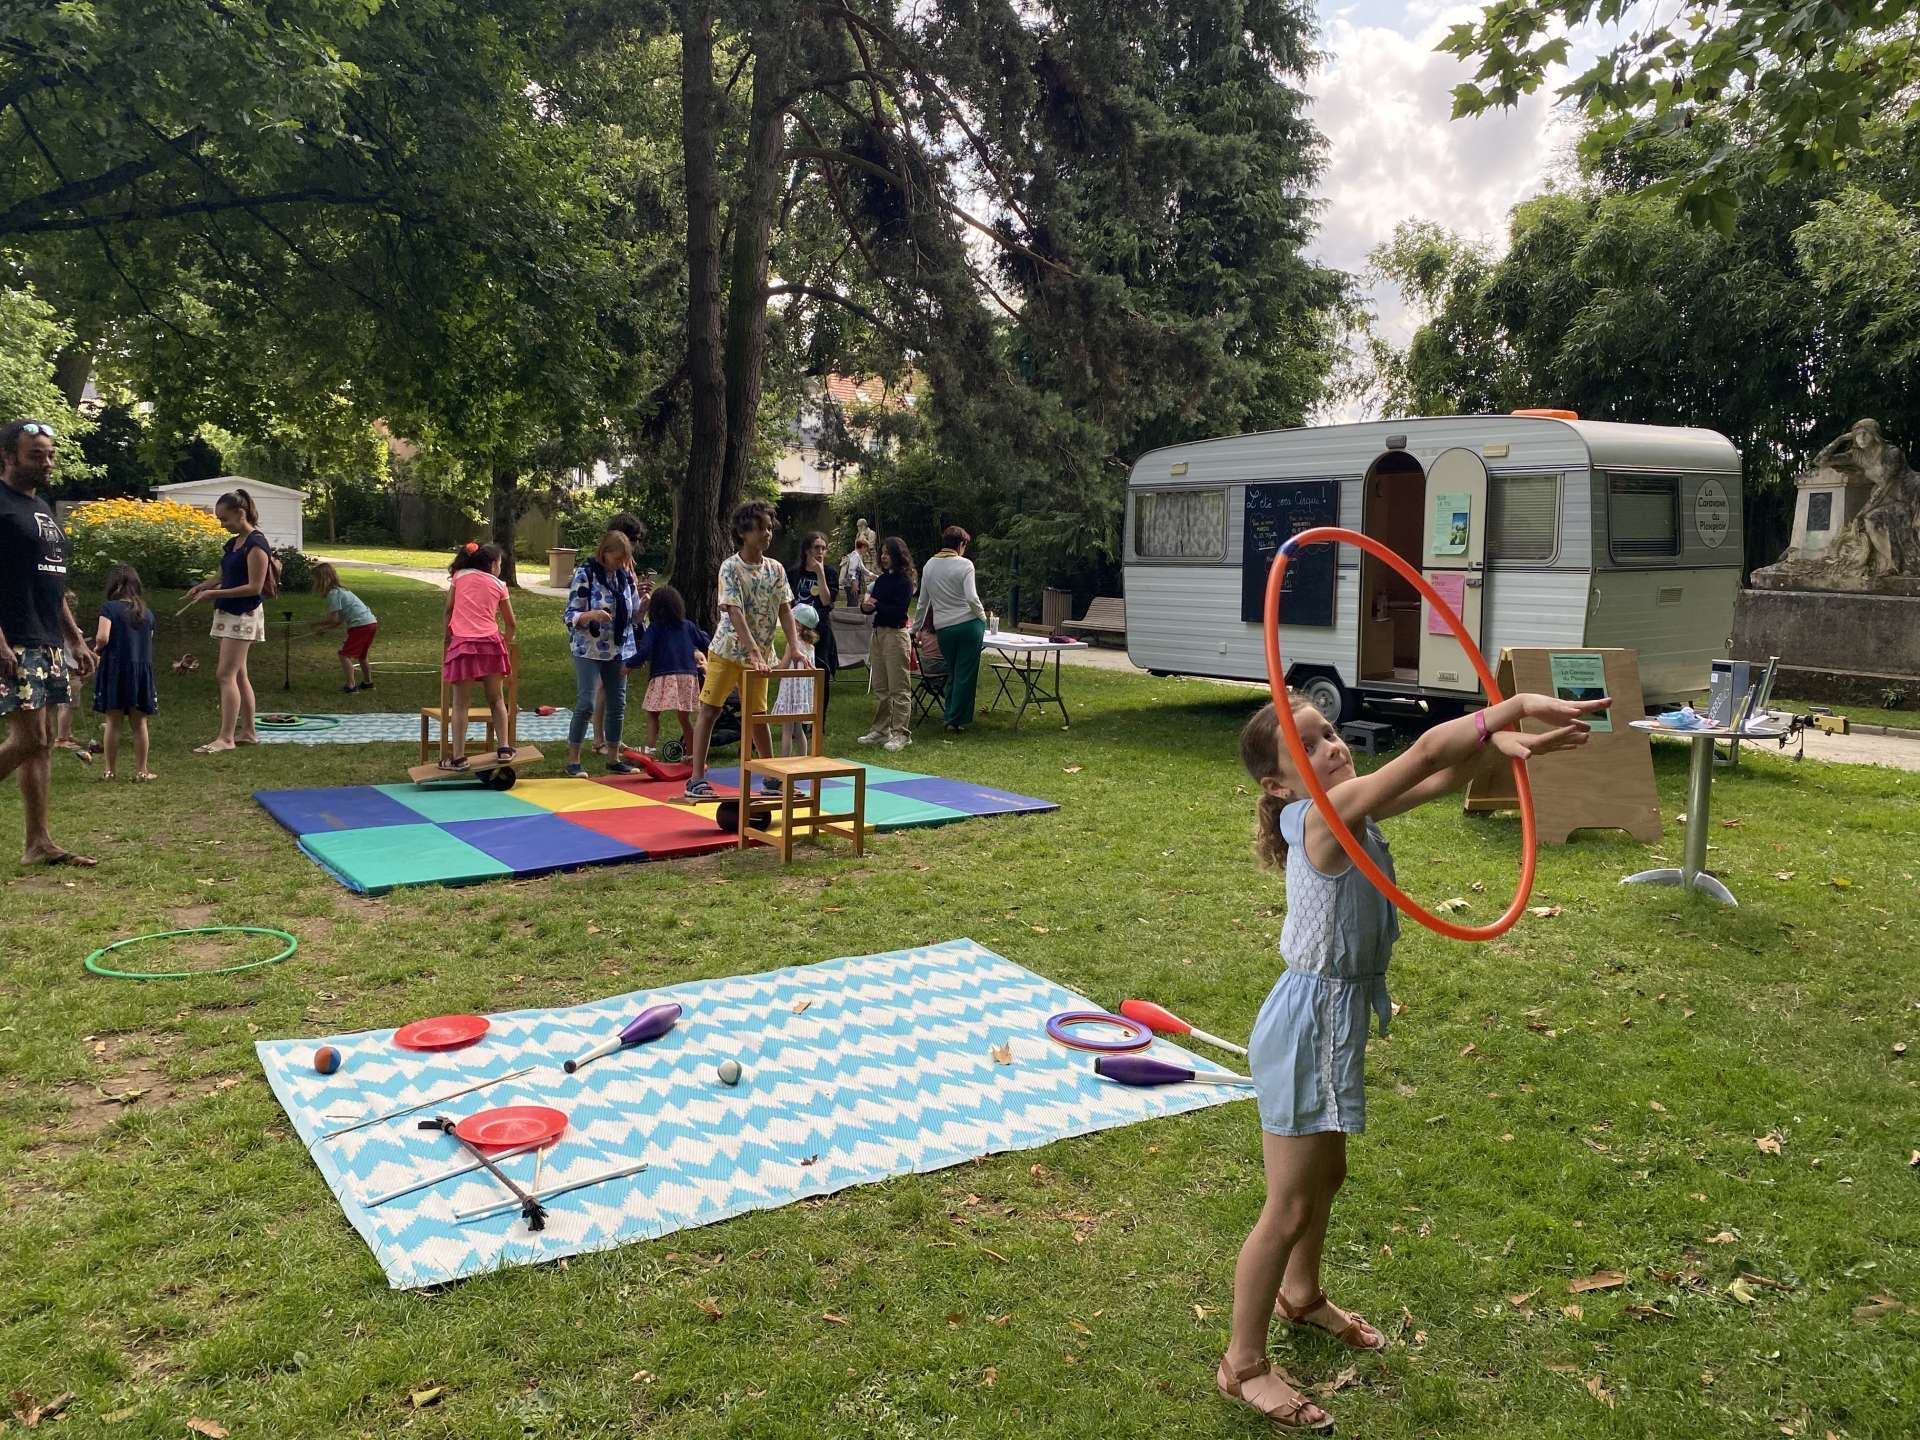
1607, 784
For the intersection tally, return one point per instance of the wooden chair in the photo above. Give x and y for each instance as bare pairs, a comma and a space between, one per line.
482, 712
800, 777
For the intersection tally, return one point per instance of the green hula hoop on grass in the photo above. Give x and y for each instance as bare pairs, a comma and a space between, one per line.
297, 722
93, 960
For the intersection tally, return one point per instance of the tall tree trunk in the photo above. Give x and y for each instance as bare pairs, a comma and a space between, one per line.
72, 368
752, 232
503, 505
694, 564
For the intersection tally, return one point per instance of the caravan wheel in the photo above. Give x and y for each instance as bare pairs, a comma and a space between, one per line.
1326, 694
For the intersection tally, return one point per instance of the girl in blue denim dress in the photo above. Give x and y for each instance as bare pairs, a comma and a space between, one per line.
1309, 1043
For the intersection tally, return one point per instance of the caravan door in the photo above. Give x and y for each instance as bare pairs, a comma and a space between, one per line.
1453, 558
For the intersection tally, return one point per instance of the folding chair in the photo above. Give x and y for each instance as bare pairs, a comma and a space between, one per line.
930, 675
482, 712
801, 778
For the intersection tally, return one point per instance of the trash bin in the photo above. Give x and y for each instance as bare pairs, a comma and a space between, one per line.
560, 565
1056, 607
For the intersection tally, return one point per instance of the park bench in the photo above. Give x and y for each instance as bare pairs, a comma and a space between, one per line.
1106, 615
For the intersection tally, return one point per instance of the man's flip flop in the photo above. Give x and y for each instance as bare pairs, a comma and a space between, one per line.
67, 857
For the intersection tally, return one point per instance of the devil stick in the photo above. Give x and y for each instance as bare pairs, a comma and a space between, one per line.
650, 1024
531, 1210
425, 1104
1165, 1022
1139, 1070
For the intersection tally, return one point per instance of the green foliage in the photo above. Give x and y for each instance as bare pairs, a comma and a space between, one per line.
1796, 84
296, 570
31, 334
171, 544
1862, 255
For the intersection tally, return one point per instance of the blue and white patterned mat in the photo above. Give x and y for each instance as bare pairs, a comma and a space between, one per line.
374, 727
856, 1070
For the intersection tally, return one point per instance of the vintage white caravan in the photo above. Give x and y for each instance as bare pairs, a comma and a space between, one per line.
1540, 528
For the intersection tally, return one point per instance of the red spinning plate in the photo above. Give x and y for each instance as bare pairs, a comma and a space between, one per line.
512, 1125
442, 1032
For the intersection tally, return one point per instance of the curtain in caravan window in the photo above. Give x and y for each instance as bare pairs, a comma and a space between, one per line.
1643, 516
1525, 517
1180, 524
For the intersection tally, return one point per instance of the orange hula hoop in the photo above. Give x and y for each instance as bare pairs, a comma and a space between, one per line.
1283, 711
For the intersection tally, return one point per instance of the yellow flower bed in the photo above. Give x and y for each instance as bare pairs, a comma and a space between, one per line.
171, 544
147, 512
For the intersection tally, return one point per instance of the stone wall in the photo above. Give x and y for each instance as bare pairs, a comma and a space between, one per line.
1842, 647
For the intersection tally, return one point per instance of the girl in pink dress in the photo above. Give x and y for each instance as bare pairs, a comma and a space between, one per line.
478, 611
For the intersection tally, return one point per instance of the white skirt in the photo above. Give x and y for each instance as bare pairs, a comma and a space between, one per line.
251, 626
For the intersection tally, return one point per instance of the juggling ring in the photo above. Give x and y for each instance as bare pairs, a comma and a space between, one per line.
93, 961
278, 722
1283, 711
1139, 1037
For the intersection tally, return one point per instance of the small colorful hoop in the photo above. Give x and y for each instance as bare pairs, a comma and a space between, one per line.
1138, 1036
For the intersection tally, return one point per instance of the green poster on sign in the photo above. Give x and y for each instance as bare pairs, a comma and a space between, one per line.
1452, 521
1582, 677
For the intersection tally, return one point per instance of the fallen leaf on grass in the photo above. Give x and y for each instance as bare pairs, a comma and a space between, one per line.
1876, 1306
1002, 1054
710, 1307
1081, 1328
1519, 1302
1657, 1107
1899, 1048
30, 1415
996, 1255
1478, 887
1544, 912
1769, 1143
1785, 874
1201, 1312
1573, 1312
1002, 1320
1732, 824
1347, 1377
212, 1429
1599, 1391
1072, 769
1564, 1369
1647, 1312
1471, 1049
1913, 1160
432, 1395
833, 1319
1841, 882
1754, 1279
833, 909
1599, 1280
992, 1374
1448, 906
1040, 929
1725, 1237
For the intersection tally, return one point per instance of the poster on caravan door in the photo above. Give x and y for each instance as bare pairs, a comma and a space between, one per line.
1274, 512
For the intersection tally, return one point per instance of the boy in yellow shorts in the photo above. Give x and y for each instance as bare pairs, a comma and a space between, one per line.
755, 601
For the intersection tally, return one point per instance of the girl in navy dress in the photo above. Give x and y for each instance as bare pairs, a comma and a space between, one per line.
123, 683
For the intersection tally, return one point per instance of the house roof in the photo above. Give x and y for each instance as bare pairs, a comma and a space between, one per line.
231, 482
871, 390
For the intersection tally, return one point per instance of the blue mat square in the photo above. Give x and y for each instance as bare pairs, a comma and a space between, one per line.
338, 807
966, 797
535, 844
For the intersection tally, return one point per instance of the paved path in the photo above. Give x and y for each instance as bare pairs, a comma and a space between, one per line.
1899, 750
436, 578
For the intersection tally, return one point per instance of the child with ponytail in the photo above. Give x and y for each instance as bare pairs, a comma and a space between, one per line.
1309, 1042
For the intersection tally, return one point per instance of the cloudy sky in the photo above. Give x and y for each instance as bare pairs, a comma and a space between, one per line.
1382, 100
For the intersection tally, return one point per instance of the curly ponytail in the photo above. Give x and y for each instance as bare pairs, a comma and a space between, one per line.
1265, 757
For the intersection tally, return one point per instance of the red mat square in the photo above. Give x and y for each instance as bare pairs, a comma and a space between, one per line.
660, 830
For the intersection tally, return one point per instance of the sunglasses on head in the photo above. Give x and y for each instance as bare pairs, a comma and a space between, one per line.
34, 427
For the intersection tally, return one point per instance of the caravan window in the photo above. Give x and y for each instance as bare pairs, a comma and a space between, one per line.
1525, 519
1180, 524
1643, 516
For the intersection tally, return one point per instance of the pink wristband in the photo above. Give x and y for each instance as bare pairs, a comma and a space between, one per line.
1480, 724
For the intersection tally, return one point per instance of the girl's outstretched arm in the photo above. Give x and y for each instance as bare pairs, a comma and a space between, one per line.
1443, 758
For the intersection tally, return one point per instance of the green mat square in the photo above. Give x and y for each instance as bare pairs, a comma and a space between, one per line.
384, 856
459, 802
888, 811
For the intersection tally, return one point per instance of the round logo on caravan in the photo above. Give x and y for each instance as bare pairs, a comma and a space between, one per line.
1712, 514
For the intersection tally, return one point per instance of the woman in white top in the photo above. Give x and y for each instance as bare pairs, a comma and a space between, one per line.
950, 607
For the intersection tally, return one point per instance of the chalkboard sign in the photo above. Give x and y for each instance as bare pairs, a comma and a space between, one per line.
1273, 513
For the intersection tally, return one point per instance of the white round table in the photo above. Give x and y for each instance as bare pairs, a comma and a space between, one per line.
1691, 873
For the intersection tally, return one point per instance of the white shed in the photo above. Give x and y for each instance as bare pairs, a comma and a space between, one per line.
282, 511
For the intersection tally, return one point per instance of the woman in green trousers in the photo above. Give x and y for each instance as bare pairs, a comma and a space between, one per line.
950, 606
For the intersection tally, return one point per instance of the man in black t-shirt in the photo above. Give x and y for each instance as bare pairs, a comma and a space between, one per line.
37, 630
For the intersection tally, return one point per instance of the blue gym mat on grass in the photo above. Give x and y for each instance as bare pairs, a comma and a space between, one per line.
855, 1070
375, 838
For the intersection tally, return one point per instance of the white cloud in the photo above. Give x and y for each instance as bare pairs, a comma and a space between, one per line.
1383, 99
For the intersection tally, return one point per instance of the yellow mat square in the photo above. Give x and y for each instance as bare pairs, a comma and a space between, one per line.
564, 796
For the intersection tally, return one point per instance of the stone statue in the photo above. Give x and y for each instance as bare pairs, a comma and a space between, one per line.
1877, 548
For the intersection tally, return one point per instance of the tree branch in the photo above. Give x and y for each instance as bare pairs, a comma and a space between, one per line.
100, 221
76, 192
815, 292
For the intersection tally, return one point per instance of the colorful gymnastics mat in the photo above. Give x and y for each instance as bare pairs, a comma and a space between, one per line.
854, 1071
375, 838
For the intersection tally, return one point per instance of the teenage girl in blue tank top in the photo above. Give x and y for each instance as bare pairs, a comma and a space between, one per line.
1309, 1043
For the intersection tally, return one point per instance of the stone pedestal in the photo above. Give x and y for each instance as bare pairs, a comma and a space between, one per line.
1835, 646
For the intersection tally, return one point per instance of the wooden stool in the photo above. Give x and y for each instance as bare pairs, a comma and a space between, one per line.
483, 713
800, 810
1372, 736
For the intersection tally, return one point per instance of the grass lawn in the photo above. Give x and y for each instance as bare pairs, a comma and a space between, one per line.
1859, 714
1586, 1094
386, 555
